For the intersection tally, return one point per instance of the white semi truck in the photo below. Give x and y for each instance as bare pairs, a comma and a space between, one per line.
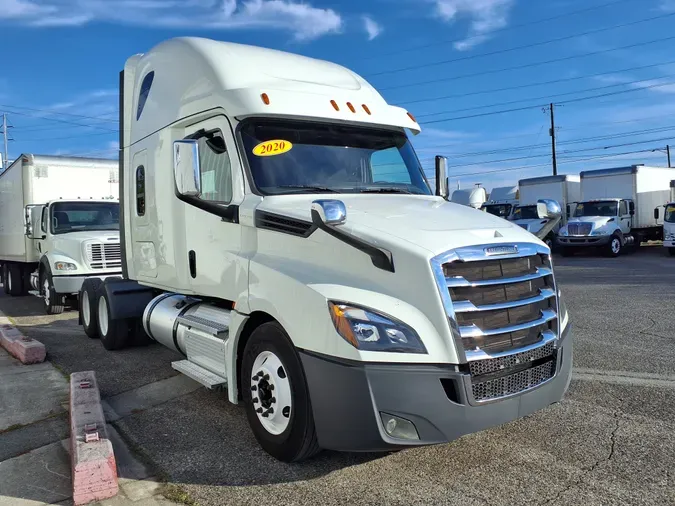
59, 224
279, 234
502, 202
617, 209
564, 189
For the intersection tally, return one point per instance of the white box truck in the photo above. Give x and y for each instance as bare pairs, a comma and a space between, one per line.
668, 221
502, 202
617, 209
564, 189
59, 224
279, 234
470, 197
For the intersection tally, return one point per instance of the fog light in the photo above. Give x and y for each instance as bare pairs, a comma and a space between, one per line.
398, 427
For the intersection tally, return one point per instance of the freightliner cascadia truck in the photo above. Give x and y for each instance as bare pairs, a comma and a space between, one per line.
279, 234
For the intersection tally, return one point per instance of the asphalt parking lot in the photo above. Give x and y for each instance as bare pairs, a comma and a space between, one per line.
610, 442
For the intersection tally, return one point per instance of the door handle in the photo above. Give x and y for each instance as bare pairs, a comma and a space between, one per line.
192, 260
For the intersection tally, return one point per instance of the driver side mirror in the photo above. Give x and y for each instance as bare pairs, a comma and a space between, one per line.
329, 211
186, 167
548, 209
442, 177
656, 213
631, 207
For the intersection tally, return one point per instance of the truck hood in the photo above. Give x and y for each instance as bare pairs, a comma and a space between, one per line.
596, 221
100, 235
531, 225
423, 221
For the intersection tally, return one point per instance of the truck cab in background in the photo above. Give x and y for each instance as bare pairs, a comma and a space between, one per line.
617, 209
502, 202
668, 221
280, 235
470, 197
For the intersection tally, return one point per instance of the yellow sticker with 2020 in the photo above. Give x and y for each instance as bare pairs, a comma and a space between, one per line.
272, 148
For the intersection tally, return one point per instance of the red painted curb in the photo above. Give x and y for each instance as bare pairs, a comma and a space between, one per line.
92, 456
27, 350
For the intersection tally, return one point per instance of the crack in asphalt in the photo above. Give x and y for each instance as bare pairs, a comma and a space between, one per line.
581, 479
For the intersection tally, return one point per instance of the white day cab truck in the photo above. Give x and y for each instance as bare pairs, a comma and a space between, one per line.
617, 209
59, 224
502, 201
668, 221
279, 234
564, 189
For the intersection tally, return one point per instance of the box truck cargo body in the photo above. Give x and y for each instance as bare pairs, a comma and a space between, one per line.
345, 305
617, 208
59, 223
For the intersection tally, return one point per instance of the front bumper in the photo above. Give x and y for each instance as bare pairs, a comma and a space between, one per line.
72, 284
581, 241
347, 399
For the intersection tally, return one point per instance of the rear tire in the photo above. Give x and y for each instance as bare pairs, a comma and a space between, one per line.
15, 280
87, 306
5, 281
114, 334
288, 432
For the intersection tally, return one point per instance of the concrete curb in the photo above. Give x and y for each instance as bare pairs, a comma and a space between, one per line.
92, 457
26, 349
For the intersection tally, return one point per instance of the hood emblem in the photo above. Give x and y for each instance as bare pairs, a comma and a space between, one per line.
501, 250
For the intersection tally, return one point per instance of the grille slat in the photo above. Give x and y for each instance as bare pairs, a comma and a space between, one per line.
461, 282
579, 229
467, 306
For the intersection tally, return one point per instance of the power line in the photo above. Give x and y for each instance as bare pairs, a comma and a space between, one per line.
524, 46
500, 30
63, 121
59, 113
533, 64
537, 106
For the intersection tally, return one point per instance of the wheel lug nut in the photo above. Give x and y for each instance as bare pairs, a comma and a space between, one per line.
255, 401
259, 410
254, 388
271, 410
273, 399
271, 387
266, 377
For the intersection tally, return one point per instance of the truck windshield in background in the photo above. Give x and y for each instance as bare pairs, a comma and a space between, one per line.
287, 156
600, 208
501, 210
84, 216
670, 214
526, 213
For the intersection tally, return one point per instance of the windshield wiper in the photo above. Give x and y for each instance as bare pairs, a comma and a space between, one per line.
388, 190
319, 189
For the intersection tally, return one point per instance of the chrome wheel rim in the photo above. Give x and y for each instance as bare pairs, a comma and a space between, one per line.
103, 316
86, 309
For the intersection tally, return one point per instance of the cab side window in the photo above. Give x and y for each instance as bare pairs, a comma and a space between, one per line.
623, 208
44, 225
215, 168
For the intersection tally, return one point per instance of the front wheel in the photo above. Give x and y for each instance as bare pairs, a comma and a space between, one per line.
54, 303
276, 397
615, 246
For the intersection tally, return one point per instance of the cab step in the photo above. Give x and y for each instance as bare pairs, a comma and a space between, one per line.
199, 374
211, 327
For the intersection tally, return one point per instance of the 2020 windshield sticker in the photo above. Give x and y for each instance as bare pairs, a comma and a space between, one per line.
272, 148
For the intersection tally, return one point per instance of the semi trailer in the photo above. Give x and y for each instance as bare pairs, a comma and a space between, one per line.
279, 234
617, 209
59, 224
564, 189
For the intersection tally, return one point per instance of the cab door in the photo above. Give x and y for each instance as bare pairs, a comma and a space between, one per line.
212, 231
625, 216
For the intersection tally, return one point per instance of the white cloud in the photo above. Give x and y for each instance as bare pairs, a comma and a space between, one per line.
660, 85
302, 19
372, 28
485, 17
667, 6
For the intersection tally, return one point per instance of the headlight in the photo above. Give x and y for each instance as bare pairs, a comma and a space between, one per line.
563, 315
367, 330
599, 232
65, 266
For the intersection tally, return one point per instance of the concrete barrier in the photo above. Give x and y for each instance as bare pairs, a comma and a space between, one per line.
93, 460
27, 350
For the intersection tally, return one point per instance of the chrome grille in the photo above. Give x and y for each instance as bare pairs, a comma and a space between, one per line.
581, 229
104, 256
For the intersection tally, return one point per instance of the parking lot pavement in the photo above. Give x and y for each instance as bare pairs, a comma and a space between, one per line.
609, 442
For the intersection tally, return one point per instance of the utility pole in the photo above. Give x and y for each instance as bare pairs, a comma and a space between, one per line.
668, 153
552, 132
5, 160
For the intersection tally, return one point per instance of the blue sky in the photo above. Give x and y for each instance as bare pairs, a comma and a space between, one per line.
444, 60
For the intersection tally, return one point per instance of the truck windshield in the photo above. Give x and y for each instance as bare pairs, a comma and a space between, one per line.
287, 156
601, 208
670, 213
84, 216
526, 213
501, 210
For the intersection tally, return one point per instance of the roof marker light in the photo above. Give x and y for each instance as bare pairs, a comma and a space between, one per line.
351, 107
334, 104
365, 108
412, 117
265, 99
